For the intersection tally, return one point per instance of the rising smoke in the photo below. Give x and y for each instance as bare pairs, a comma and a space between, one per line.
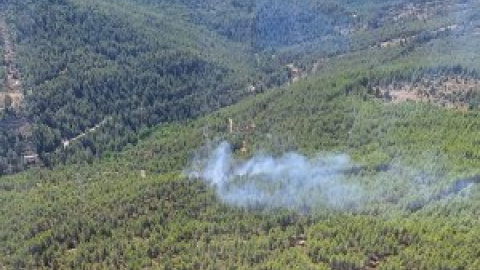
289, 181
329, 181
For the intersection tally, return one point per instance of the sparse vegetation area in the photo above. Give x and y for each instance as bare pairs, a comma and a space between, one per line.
449, 88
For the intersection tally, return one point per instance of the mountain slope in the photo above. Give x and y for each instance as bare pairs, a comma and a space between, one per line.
137, 210
86, 63
414, 163
108, 215
83, 63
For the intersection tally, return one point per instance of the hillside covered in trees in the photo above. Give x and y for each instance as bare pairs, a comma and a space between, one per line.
158, 124
120, 68
115, 63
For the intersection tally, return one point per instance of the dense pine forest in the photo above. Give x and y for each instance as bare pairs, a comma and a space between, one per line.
259, 134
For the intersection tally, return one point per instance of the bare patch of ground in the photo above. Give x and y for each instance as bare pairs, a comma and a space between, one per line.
407, 40
12, 94
452, 92
11, 97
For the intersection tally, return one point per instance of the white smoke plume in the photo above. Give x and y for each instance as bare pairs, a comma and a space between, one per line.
289, 181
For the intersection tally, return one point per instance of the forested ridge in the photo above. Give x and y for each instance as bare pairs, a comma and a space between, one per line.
138, 64
400, 100
81, 66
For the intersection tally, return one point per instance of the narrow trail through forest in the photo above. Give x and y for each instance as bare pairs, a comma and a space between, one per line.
66, 142
12, 96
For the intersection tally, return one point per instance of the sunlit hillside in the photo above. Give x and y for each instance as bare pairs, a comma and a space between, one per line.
157, 134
